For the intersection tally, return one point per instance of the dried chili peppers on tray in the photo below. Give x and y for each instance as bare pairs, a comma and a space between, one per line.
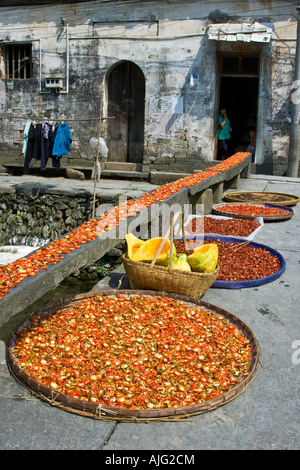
240, 261
231, 227
248, 209
135, 352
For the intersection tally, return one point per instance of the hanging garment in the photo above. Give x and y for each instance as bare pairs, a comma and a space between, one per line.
62, 141
33, 146
56, 162
46, 129
46, 144
25, 137
34, 141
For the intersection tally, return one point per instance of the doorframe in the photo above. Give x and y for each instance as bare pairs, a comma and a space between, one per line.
220, 54
104, 109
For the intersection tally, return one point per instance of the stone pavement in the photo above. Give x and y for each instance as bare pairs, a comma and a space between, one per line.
265, 416
106, 189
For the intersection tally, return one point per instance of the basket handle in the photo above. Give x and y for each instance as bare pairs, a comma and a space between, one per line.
170, 232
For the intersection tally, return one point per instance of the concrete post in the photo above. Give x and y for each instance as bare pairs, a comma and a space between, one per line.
205, 201
218, 190
294, 148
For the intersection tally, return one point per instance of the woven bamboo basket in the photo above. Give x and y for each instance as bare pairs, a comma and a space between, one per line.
142, 276
105, 412
147, 276
260, 197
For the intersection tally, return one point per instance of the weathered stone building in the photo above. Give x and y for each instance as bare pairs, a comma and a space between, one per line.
149, 76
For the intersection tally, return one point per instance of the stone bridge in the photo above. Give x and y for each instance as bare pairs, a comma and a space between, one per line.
207, 192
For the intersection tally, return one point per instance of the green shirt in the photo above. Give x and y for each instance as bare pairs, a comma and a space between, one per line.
224, 133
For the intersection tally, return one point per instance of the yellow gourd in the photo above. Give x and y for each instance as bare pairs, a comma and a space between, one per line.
204, 259
148, 250
133, 244
181, 263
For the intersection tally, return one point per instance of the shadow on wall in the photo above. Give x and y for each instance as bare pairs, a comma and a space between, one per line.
196, 97
276, 156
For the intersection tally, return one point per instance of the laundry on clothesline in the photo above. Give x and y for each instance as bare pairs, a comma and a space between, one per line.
46, 140
62, 141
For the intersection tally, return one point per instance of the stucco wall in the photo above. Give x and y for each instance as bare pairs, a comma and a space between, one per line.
168, 44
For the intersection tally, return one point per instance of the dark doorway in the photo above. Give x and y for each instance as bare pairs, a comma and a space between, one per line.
240, 97
126, 110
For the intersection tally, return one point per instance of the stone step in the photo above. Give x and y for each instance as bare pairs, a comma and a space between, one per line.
118, 174
121, 166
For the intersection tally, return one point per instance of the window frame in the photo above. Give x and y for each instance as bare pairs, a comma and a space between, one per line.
240, 56
17, 57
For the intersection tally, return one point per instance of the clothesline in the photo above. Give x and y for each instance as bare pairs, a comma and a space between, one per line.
49, 119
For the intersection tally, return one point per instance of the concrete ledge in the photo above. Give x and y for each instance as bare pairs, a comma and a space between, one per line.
17, 169
210, 191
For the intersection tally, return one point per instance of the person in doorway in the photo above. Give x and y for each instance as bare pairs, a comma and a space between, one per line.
224, 134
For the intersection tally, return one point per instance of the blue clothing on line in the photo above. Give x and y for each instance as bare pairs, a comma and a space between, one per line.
63, 140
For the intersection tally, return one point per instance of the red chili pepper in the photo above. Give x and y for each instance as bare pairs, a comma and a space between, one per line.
248, 209
233, 227
241, 262
136, 362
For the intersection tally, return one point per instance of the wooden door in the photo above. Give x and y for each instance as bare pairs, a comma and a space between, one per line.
126, 101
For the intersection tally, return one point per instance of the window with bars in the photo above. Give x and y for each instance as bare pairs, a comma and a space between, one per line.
18, 61
239, 65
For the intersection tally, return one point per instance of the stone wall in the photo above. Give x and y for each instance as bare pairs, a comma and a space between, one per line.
32, 219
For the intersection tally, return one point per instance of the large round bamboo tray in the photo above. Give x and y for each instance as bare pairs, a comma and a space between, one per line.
260, 197
94, 410
217, 209
142, 276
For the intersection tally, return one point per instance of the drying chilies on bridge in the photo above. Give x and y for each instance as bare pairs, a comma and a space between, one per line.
43, 141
